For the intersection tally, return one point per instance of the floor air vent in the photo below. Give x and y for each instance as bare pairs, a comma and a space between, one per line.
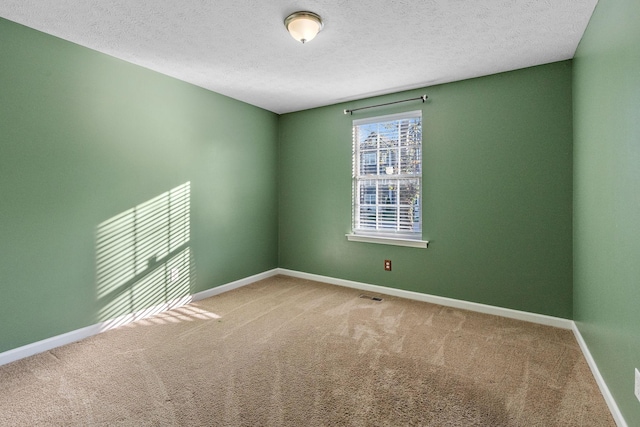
370, 297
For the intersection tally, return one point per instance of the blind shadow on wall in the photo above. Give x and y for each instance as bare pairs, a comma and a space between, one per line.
144, 263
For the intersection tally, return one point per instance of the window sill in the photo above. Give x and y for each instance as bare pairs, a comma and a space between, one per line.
388, 241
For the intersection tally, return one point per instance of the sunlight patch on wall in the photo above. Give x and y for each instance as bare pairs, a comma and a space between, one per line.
143, 259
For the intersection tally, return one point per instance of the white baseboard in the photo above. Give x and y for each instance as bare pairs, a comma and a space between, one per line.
79, 334
234, 285
86, 332
448, 302
48, 344
613, 406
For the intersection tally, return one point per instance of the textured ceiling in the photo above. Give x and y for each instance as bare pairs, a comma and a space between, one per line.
241, 49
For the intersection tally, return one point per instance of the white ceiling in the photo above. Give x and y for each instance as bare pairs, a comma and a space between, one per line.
241, 49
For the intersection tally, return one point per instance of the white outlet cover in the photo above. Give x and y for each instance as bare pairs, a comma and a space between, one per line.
637, 389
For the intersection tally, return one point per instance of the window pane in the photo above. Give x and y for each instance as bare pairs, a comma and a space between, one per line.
368, 164
367, 136
367, 192
407, 220
387, 217
388, 161
388, 132
387, 192
410, 160
409, 191
368, 217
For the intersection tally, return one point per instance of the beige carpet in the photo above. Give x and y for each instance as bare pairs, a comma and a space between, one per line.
290, 352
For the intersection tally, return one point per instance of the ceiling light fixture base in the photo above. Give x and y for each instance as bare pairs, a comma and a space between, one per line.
303, 26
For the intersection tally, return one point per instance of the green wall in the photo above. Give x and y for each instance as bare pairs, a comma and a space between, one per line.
497, 193
607, 196
85, 137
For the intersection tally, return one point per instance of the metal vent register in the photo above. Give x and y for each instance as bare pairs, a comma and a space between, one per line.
370, 297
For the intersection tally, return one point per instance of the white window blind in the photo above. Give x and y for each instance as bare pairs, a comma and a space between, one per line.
387, 176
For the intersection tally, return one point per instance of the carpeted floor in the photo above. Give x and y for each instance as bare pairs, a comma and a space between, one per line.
291, 352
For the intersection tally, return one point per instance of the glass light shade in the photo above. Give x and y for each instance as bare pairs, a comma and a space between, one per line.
303, 26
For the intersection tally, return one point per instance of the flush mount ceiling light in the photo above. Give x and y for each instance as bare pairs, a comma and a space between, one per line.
303, 26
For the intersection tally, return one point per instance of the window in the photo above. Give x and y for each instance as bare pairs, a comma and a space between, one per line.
387, 178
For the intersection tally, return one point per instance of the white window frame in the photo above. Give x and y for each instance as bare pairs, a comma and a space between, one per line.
384, 232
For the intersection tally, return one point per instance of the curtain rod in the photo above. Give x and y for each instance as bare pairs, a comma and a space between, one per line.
423, 97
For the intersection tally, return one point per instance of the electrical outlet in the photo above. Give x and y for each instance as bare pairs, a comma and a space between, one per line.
637, 388
387, 265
